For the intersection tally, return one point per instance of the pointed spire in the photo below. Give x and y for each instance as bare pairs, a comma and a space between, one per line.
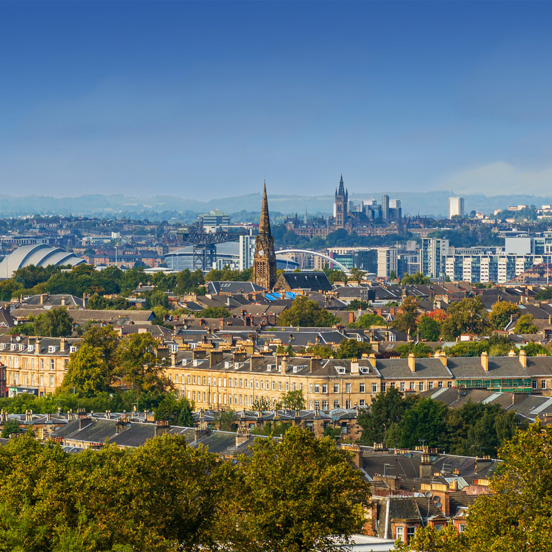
264, 223
341, 187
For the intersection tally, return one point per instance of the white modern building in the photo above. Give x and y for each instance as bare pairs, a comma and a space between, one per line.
456, 207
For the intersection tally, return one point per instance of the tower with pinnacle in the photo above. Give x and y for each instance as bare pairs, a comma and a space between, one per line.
264, 260
341, 204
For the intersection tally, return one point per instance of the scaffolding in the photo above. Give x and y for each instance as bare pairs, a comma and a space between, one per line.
504, 385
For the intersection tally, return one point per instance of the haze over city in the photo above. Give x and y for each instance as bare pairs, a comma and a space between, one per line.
206, 99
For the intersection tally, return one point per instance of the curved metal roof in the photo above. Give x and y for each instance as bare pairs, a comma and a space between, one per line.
39, 255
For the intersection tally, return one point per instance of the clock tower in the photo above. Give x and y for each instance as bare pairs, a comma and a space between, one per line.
264, 261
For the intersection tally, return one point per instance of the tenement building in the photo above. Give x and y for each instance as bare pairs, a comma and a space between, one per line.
236, 380
35, 365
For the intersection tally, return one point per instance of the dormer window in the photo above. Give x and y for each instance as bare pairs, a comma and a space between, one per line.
340, 369
30, 348
13, 347
21, 347
72, 349
51, 348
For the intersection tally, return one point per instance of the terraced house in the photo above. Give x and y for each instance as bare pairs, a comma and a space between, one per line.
237, 381
35, 365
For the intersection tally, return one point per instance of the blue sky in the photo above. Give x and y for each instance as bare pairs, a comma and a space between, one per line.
207, 99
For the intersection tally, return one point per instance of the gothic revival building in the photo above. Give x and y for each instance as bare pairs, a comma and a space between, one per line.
264, 262
341, 204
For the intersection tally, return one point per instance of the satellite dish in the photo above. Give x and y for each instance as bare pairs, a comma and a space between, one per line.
428, 494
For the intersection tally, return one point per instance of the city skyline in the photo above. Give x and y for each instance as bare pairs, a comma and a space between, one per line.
194, 99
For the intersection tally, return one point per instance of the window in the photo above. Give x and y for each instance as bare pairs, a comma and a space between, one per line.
449, 384
189, 380
461, 527
543, 384
383, 386
279, 386
287, 386
362, 388
336, 404
256, 384
324, 388
51, 381
204, 379
399, 533
430, 385
336, 387
440, 385
262, 384
412, 386
193, 379
324, 405
410, 533
361, 402
51, 364
402, 385
421, 386
392, 385
273, 385
374, 388
347, 388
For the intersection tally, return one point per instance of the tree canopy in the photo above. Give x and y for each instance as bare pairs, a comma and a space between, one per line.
167, 496
304, 312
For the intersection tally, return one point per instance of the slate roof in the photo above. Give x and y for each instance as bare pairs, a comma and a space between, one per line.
314, 281
233, 287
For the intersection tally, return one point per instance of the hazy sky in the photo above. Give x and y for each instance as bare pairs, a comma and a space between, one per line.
205, 99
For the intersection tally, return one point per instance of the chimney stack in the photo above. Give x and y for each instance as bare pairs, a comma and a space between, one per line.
523, 358
372, 359
485, 361
412, 362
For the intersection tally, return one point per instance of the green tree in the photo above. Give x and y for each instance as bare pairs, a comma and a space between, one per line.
424, 424
429, 328
157, 298
386, 409
351, 348
226, 420
213, 312
406, 321
317, 505
517, 514
304, 312
10, 428
88, 372
175, 411
420, 350
355, 304
54, 323
415, 279
525, 325
429, 539
293, 400
501, 314
466, 316
356, 274
368, 320
136, 364
534, 349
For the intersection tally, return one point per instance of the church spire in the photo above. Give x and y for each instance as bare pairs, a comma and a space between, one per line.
264, 223
341, 191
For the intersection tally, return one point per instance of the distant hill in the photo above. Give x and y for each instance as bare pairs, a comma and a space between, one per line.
413, 203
